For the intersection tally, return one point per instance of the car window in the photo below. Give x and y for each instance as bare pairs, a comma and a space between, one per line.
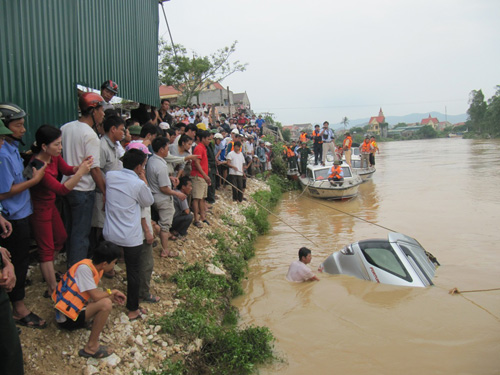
381, 255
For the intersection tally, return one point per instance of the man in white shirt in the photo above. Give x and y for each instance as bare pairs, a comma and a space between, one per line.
79, 142
126, 192
235, 163
298, 270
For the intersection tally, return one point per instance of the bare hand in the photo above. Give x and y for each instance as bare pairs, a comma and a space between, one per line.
118, 297
193, 157
174, 180
39, 173
6, 227
8, 280
149, 237
181, 196
86, 165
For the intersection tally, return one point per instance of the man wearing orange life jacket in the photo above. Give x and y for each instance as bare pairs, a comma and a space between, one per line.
303, 136
374, 149
336, 173
291, 157
317, 144
78, 286
347, 144
366, 149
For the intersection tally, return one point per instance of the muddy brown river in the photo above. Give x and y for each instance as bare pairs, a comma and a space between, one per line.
443, 192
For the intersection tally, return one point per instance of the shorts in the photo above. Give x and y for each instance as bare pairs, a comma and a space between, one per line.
164, 204
70, 324
200, 187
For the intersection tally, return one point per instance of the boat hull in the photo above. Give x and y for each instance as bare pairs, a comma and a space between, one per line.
325, 190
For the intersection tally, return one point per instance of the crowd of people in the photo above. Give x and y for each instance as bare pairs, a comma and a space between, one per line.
297, 152
100, 188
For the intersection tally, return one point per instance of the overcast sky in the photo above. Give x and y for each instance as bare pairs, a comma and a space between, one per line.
317, 60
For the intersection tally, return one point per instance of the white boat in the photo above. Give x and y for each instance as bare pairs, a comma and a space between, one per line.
364, 173
316, 183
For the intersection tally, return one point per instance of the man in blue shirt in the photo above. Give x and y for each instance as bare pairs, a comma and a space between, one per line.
16, 208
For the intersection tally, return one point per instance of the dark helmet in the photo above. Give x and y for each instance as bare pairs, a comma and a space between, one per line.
111, 86
90, 100
10, 112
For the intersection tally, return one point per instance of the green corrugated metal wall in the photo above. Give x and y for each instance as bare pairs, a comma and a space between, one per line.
49, 46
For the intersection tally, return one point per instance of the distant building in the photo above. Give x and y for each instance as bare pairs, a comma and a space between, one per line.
442, 125
432, 121
212, 93
295, 130
375, 122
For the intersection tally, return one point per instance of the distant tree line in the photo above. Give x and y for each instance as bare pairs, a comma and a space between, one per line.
484, 116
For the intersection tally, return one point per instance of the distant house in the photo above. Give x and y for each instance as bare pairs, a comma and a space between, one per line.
241, 101
432, 121
212, 93
458, 124
170, 93
375, 122
295, 130
442, 125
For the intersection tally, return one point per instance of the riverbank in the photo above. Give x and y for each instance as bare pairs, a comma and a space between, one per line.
142, 344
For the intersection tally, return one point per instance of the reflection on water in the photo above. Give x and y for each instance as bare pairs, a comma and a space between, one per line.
442, 192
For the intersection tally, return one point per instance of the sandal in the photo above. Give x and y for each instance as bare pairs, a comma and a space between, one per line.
102, 352
197, 224
169, 254
151, 299
172, 238
141, 313
206, 222
32, 321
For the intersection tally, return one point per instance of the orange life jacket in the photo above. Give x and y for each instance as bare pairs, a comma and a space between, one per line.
303, 137
365, 147
335, 172
316, 134
289, 152
374, 146
230, 147
67, 297
347, 143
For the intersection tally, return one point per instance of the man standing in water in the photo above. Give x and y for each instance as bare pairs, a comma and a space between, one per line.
298, 270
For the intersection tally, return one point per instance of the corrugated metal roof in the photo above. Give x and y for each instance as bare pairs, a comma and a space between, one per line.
50, 46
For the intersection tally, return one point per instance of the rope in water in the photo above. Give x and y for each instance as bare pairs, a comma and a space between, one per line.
270, 212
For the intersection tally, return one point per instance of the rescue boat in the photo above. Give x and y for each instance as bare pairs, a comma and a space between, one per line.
365, 173
316, 183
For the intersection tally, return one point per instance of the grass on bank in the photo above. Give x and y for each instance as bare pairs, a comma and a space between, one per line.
206, 312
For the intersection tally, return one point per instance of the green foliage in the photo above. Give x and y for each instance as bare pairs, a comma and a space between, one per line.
484, 117
189, 73
237, 351
287, 135
169, 368
427, 132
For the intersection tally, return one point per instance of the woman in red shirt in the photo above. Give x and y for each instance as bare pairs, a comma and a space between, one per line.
48, 228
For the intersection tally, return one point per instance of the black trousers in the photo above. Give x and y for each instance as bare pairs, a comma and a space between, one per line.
18, 243
237, 181
181, 223
132, 257
318, 152
211, 188
11, 354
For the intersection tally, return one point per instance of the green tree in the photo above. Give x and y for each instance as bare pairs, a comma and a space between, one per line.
345, 122
492, 116
401, 125
477, 110
357, 129
189, 72
427, 132
287, 135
